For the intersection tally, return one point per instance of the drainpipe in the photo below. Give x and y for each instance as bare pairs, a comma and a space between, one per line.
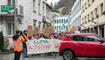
15, 20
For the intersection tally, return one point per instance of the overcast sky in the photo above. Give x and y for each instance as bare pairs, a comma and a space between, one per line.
53, 1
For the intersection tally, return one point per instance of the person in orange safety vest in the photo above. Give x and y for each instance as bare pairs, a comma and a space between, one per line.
18, 44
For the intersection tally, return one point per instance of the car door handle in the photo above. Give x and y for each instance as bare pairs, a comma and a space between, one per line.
70, 43
89, 45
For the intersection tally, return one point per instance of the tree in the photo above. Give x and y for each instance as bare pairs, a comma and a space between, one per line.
64, 3
1, 41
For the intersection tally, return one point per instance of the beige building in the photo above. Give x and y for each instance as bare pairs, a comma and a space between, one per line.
93, 16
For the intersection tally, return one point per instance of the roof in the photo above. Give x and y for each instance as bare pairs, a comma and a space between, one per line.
82, 34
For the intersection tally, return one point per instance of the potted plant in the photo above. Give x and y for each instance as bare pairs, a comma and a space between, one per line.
104, 12
97, 16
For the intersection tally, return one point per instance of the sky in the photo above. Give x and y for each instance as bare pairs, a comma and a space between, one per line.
53, 1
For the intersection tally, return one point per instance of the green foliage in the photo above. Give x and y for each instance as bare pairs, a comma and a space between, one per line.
64, 3
1, 41
104, 12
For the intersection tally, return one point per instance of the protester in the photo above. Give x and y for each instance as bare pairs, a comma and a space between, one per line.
18, 46
52, 36
25, 36
34, 37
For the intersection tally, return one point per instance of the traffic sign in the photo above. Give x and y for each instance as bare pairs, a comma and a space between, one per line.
6, 8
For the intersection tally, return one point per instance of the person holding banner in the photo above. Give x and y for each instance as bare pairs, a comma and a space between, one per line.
25, 36
18, 46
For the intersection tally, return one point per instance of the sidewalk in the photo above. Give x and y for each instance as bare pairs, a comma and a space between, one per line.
11, 57
7, 52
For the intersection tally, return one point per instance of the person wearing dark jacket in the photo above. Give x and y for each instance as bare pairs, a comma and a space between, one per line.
25, 36
18, 46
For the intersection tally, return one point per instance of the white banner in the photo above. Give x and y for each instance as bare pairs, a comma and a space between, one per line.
42, 46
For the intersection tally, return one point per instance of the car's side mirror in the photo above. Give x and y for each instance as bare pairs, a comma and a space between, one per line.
101, 40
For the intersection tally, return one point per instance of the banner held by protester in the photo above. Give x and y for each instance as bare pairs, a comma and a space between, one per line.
42, 46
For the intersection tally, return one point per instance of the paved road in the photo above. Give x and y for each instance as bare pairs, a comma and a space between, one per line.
10, 57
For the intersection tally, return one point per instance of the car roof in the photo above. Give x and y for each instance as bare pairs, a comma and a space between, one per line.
81, 34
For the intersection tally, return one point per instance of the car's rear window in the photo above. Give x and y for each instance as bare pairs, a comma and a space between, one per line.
78, 38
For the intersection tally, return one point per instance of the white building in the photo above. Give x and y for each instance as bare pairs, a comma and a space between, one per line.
28, 13
76, 14
54, 14
59, 21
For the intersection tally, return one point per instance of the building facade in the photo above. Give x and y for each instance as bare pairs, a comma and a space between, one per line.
26, 13
59, 21
76, 14
54, 15
93, 16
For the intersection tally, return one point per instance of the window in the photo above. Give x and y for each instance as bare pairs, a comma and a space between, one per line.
92, 0
39, 5
10, 28
92, 38
88, 3
66, 27
33, 5
59, 27
88, 18
92, 16
9, 2
1, 21
85, 6
57, 21
39, 25
95, 12
78, 38
34, 23
55, 27
62, 20
13, 2
43, 9
101, 9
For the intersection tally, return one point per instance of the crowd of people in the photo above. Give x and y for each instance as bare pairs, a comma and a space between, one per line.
59, 36
21, 38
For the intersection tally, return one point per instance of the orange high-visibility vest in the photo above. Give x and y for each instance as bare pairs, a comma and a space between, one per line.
26, 37
18, 45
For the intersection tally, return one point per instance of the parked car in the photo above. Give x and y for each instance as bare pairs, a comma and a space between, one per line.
82, 45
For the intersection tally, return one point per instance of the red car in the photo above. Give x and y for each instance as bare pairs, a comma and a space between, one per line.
82, 45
